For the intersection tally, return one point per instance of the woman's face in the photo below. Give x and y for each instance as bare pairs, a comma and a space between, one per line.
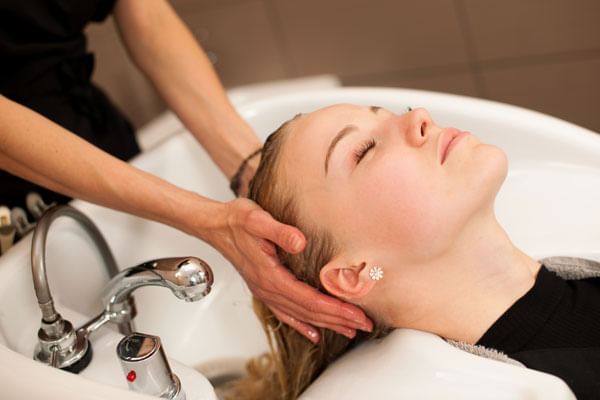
388, 185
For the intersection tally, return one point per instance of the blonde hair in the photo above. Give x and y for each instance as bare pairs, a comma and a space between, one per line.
293, 362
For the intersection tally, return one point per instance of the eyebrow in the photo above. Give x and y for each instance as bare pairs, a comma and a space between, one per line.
342, 134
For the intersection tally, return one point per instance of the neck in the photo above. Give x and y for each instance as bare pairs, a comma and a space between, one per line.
461, 293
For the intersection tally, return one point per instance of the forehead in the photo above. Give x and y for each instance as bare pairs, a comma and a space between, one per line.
309, 136
332, 116
316, 129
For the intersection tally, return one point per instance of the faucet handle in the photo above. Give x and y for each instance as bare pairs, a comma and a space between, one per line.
146, 367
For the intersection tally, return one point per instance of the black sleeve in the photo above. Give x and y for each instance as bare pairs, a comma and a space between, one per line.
103, 9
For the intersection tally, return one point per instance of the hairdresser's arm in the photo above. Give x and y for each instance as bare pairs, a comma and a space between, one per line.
43, 152
38, 150
164, 49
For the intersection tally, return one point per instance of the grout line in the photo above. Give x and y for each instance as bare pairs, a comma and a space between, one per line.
282, 45
501, 63
474, 65
538, 59
416, 72
189, 6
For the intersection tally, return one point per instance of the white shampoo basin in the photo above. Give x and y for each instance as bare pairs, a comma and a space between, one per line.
554, 172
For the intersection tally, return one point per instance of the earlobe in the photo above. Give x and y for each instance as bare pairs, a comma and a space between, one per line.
346, 280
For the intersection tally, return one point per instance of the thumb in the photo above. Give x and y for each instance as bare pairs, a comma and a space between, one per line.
288, 237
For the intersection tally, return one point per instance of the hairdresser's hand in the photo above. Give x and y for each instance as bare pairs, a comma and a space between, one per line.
247, 240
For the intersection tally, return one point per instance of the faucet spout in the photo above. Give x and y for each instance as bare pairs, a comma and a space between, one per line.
189, 278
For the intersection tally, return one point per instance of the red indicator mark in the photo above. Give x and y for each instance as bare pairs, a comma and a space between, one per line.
131, 376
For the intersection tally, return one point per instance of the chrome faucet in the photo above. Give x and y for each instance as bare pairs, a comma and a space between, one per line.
189, 278
60, 345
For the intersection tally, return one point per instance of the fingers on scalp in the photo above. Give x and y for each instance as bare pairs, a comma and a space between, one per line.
354, 313
293, 238
263, 224
330, 305
342, 330
284, 236
260, 293
266, 247
308, 330
329, 322
303, 296
293, 288
257, 220
347, 311
310, 305
316, 319
304, 329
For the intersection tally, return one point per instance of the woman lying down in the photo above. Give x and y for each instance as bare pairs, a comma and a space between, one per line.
399, 217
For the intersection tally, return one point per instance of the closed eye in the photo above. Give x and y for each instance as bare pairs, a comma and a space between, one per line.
363, 150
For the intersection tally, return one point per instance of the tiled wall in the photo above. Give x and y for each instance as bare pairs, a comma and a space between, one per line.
540, 54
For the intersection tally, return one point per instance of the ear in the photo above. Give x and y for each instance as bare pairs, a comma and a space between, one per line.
346, 280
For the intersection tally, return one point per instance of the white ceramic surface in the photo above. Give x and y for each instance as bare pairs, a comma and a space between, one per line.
548, 205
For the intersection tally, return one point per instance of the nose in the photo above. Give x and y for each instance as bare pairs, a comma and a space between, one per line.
418, 126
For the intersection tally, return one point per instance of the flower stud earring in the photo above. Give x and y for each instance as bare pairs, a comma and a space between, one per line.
376, 273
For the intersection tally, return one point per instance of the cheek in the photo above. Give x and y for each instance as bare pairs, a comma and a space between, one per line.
416, 207
402, 204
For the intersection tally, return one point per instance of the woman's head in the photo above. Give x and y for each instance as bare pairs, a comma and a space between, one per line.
372, 188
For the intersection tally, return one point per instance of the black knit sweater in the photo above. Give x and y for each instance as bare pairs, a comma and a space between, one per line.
555, 328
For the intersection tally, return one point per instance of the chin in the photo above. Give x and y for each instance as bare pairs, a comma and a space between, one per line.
498, 163
492, 169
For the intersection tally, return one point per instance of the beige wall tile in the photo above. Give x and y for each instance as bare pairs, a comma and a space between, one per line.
119, 78
362, 41
516, 28
450, 82
239, 35
184, 5
242, 38
569, 90
352, 37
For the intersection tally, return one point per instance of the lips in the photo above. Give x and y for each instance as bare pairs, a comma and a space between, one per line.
449, 138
